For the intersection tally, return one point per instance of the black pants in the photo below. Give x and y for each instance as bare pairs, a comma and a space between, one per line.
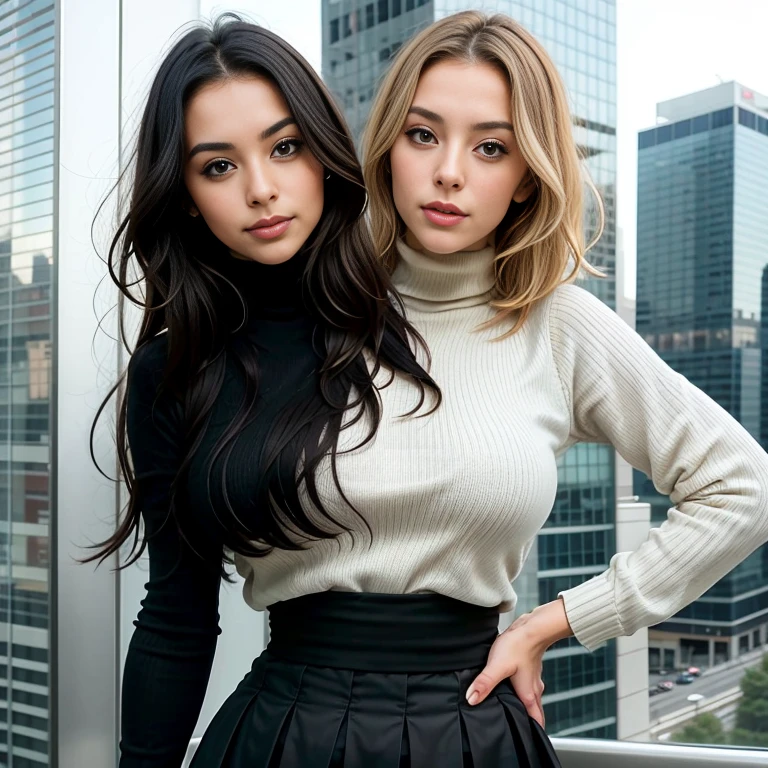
358, 680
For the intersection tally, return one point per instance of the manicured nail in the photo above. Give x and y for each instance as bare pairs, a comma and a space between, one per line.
472, 699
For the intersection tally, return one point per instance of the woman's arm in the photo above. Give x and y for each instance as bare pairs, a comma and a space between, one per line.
619, 391
171, 652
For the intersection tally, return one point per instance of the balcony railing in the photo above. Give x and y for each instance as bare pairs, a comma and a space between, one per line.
599, 753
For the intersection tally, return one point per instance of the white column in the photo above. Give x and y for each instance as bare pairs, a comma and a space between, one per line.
84, 600
633, 717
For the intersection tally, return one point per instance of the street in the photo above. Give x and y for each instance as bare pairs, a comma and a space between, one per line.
712, 681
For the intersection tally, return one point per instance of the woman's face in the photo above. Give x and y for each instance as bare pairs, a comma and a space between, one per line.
248, 172
456, 165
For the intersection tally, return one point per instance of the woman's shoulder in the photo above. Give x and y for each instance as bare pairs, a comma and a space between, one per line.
574, 295
571, 307
146, 366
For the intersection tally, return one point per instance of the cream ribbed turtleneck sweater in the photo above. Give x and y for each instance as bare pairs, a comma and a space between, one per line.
455, 499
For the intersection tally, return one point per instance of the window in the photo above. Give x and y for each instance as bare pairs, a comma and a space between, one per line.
31, 699
30, 676
683, 128
646, 139
370, 20
663, 134
383, 10
396, 8
700, 124
722, 117
29, 721
747, 118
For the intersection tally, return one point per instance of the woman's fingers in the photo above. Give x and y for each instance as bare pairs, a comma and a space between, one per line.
485, 682
529, 688
512, 657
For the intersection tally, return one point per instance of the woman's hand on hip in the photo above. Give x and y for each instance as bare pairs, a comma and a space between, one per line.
517, 654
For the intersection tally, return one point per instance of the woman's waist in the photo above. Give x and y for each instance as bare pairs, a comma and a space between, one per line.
382, 632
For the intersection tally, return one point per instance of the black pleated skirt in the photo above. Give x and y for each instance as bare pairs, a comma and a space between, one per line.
359, 680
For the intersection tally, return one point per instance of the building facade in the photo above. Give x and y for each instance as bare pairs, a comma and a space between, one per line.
27, 106
359, 40
702, 252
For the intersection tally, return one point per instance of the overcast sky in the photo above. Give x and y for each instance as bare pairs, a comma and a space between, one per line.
665, 48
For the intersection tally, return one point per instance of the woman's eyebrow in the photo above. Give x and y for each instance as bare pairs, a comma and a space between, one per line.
492, 125
210, 146
428, 113
278, 126
485, 126
224, 146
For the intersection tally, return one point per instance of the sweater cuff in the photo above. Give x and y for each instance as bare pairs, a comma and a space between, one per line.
591, 611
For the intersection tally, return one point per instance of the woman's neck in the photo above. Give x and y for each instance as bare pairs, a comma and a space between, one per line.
271, 291
437, 282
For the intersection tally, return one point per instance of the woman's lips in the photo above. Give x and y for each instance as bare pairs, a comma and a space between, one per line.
267, 233
443, 219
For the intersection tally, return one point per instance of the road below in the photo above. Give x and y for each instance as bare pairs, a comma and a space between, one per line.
712, 681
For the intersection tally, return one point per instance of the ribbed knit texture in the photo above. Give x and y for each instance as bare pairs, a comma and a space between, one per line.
455, 499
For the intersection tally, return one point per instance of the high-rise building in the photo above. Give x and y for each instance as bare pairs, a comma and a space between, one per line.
359, 39
27, 96
702, 253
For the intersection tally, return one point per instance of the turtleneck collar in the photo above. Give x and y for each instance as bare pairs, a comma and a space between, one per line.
439, 282
271, 291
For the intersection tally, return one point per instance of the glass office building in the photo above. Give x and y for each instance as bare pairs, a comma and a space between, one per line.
359, 39
702, 251
27, 91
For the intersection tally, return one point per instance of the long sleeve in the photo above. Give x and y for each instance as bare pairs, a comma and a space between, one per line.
619, 391
171, 652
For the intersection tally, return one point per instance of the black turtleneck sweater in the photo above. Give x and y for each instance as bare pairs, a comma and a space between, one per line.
171, 652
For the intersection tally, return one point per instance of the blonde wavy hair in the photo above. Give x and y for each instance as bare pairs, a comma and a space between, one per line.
533, 246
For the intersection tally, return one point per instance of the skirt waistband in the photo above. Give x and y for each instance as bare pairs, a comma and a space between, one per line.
382, 633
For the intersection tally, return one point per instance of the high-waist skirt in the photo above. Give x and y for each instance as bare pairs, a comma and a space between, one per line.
359, 680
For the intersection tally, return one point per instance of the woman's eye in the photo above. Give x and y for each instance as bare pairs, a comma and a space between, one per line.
217, 168
492, 149
420, 135
287, 148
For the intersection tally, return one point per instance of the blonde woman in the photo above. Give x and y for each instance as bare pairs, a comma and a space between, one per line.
476, 202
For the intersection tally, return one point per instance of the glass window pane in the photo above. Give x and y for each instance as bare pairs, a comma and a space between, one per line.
26, 222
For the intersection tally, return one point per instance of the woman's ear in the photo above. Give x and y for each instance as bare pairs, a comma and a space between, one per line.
525, 188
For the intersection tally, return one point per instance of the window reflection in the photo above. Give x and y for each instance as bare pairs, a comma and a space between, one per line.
26, 223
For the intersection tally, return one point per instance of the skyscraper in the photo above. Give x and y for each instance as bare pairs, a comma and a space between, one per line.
26, 251
359, 39
702, 251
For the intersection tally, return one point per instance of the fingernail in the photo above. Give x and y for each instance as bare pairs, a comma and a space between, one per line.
472, 699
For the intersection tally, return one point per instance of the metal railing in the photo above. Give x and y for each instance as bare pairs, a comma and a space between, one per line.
602, 753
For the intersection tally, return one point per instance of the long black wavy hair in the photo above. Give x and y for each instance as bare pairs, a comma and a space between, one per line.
186, 294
